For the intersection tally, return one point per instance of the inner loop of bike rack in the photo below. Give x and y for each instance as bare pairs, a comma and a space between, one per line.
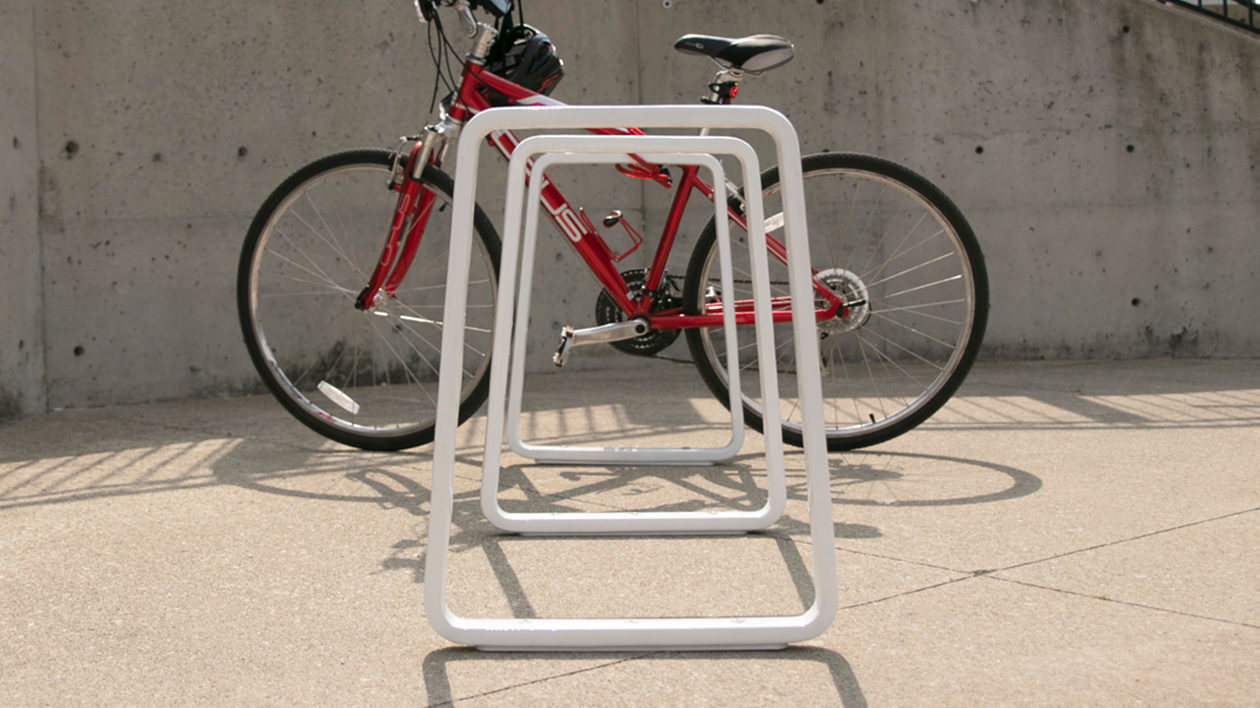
586, 149
756, 632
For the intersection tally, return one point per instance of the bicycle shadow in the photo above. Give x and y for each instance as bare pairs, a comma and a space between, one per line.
472, 531
921, 479
387, 480
436, 666
905, 478
734, 486
392, 481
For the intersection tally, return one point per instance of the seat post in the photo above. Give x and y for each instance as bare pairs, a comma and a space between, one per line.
724, 87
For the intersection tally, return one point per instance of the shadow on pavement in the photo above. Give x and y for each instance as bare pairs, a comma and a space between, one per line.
437, 665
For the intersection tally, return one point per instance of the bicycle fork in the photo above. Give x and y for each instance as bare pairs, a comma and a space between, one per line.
411, 214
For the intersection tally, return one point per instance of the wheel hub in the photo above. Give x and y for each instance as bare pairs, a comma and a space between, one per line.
853, 296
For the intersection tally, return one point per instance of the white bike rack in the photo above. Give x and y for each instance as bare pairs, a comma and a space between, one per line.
759, 632
589, 149
585, 150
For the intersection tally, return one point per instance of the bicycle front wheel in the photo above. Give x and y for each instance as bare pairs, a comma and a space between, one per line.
903, 258
366, 378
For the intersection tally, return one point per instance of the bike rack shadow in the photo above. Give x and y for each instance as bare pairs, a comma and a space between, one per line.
734, 486
848, 690
473, 531
734, 476
491, 544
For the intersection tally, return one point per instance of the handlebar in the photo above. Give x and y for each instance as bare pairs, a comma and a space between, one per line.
426, 10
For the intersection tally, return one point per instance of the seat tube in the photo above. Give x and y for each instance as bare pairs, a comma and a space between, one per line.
688, 182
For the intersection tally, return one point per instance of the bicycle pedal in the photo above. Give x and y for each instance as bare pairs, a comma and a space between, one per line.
566, 342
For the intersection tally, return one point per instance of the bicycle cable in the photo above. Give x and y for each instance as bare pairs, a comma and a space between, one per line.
442, 56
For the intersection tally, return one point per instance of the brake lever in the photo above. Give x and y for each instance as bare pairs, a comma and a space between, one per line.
466, 19
426, 10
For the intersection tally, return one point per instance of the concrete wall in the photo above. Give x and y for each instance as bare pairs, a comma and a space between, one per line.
1105, 153
21, 313
165, 124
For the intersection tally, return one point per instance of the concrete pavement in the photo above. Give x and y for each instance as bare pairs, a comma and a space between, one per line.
1061, 533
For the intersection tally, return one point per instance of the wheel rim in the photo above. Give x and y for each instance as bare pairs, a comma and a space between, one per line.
371, 374
887, 361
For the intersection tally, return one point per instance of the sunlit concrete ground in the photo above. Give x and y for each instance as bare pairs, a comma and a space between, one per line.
1065, 533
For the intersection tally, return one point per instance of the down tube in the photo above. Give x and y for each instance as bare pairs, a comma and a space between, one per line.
585, 240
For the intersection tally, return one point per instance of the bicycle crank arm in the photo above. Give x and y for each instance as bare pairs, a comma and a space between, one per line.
612, 332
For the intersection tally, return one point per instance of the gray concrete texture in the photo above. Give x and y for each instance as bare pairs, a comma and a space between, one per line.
1061, 533
1105, 152
21, 297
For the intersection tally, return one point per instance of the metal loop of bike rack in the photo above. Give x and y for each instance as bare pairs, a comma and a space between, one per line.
587, 150
590, 149
757, 632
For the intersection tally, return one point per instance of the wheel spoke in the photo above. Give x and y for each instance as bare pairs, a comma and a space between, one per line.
896, 252
328, 221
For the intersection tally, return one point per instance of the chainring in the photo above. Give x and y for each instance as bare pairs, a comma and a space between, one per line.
667, 297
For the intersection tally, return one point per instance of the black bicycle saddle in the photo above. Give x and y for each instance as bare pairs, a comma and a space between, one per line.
753, 54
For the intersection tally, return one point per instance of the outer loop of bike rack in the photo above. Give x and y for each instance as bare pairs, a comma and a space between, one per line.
587, 150
590, 149
755, 632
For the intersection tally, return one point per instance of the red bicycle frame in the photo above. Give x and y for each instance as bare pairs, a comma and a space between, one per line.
415, 203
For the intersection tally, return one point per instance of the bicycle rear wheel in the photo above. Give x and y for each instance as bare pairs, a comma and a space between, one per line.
901, 254
363, 378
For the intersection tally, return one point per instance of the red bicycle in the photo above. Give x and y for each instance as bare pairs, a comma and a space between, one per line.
346, 332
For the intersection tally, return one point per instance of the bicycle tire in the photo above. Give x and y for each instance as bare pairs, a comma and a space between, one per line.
367, 379
891, 363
